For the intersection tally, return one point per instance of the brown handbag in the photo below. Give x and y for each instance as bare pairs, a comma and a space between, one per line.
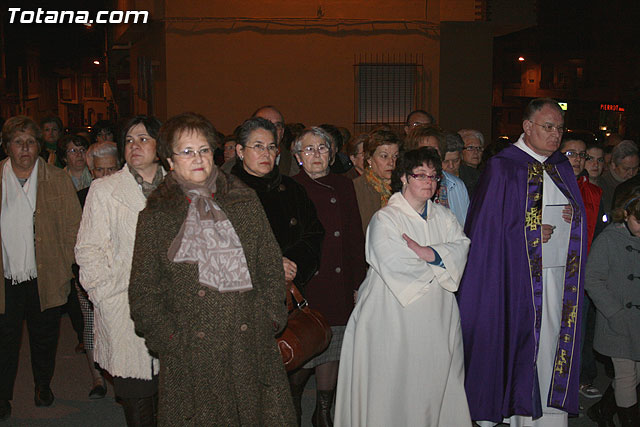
307, 332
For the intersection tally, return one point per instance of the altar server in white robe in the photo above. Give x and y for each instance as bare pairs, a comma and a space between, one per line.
402, 359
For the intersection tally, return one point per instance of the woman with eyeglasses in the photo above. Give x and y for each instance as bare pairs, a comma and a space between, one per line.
291, 213
575, 150
207, 290
104, 250
72, 150
373, 187
289, 209
402, 360
342, 267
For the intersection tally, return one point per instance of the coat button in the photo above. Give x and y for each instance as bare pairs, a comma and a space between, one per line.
243, 327
316, 273
337, 234
200, 334
333, 200
293, 221
338, 269
281, 187
201, 293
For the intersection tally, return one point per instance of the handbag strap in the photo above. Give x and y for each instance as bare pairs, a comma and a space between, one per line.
295, 298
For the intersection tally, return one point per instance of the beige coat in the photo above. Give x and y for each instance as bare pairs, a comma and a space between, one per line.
56, 222
104, 251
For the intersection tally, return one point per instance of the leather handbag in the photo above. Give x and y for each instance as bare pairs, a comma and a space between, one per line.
307, 332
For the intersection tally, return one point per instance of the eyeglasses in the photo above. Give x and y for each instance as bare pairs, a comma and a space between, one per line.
548, 127
189, 153
589, 158
80, 150
574, 154
261, 148
425, 177
477, 148
310, 150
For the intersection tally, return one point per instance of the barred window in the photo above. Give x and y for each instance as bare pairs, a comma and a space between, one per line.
387, 89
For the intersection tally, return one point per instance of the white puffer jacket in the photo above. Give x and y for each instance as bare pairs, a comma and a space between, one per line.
104, 250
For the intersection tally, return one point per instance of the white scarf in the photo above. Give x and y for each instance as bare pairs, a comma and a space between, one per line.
16, 225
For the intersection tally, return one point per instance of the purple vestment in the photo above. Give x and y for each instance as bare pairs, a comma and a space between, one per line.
500, 296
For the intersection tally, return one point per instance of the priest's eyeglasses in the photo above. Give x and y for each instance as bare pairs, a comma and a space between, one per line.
548, 127
573, 154
424, 177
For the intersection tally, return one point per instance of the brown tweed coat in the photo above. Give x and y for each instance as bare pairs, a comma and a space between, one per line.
219, 364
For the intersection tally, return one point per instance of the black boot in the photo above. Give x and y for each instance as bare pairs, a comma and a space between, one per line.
629, 417
322, 414
140, 412
297, 381
603, 411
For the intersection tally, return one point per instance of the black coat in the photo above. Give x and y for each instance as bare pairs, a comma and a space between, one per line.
293, 219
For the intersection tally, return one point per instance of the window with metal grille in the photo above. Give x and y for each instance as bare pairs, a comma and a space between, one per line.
387, 89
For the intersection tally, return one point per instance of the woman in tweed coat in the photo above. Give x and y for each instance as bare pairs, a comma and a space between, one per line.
219, 363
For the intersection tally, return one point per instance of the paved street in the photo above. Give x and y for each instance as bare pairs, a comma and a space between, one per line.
72, 382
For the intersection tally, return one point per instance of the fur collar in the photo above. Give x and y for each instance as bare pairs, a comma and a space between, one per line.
169, 196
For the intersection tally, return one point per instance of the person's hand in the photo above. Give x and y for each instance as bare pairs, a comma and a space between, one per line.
547, 231
290, 268
567, 214
423, 252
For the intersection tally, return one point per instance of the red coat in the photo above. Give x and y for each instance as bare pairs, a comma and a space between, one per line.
591, 196
342, 263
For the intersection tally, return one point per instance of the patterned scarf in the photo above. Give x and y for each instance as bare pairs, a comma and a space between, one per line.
207, 238
382, 187
147, 188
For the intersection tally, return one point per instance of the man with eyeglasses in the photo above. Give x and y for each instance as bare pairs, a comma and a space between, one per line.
521, 292
418, 118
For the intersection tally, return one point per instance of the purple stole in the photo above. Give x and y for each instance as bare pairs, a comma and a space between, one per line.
568, 348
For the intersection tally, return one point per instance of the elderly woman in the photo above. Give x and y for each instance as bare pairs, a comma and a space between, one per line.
452, 191
290, 212
373, 188
342, 268
402, 360
39, 219
104, 251
72, 150
207, 290
104, 158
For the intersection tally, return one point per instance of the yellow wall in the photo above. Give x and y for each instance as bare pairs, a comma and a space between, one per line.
309, 76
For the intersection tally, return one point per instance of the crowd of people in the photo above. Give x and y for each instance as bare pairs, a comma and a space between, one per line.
451, 271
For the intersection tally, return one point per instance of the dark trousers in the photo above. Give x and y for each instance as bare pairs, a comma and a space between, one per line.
588, 369
23, 302
72, 307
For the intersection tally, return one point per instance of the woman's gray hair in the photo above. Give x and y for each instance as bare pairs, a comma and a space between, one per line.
316, 131
472, 132
626, 148
102, 149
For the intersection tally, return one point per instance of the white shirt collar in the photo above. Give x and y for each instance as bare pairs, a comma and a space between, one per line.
524, 147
